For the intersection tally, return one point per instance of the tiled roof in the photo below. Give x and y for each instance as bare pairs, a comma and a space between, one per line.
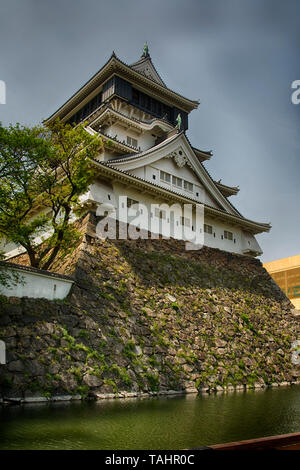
131, 118
145, 152
114, 139
22, 267
161, 145
263, 226
143, 60
192, 103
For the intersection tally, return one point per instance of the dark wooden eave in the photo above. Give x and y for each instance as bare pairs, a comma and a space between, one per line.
115, 66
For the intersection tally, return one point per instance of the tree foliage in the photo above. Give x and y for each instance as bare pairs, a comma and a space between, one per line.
43, 172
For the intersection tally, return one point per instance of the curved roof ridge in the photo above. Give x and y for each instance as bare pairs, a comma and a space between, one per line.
83, 90
141, 64
266, 226
162, 145
107, 106
145, 152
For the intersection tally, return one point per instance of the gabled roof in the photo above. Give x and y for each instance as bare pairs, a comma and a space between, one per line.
115, 66
145, 66
252, 226
139, 155
106, 110
130, 162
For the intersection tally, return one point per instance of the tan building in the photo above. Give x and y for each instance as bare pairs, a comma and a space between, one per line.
286, 273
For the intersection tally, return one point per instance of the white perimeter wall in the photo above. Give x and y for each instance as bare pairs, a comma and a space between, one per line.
37, 286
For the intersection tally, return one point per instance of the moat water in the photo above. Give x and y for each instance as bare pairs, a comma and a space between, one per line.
154, 423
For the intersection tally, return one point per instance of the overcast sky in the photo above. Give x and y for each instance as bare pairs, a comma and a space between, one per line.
238, 57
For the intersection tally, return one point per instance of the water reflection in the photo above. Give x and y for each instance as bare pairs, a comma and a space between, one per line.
154, 423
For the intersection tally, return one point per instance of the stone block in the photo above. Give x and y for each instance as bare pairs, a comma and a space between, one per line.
16, 366
92, 380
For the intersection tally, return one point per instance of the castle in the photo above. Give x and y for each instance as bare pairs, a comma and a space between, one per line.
147, 158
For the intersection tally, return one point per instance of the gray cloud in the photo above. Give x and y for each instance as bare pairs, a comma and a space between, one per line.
238, 57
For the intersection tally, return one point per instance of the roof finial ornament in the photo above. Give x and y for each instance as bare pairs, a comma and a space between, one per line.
145, 50
178, 122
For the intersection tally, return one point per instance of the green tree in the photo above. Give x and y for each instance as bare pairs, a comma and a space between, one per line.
43, 172
8, 277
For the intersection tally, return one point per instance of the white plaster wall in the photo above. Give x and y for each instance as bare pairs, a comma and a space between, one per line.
2, 352
145, 140
210, 201
210, 240
249, 242
11, 249
101, 192
217, 241
108, 197
6, 246
37, 286
152, 174
242, 240
140, 172
168, 165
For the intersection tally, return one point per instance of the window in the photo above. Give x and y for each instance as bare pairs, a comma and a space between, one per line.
155, 106
145, 101
87, 109
185, 221
208, 229
166, 177
228, 235
167, 112
151, 105
132, 142
131, 202
135, 96
188, 186
177, 181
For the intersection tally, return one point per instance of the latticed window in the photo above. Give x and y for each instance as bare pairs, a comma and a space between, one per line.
228, 235
208, 229
177, 181
166, 177
135, 96
188, 186
131, 202
132, 142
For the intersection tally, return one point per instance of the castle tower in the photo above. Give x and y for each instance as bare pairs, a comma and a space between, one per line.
147, 156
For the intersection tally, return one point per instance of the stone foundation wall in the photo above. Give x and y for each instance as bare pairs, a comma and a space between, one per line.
146, 316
